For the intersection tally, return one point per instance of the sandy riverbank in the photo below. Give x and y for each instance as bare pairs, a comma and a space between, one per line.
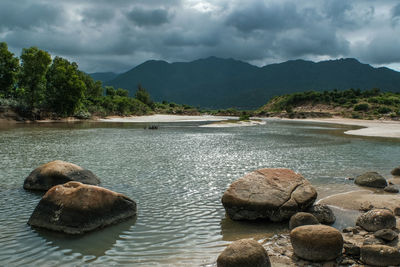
376, 128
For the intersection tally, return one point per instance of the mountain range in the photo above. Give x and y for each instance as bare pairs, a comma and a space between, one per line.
221, 83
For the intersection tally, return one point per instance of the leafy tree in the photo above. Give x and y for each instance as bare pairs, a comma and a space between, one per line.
122, 92
9, 66
65, 88
94, 88
35, 63
110, 91
143, 96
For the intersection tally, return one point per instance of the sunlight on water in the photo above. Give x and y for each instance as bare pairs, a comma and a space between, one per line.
177, 176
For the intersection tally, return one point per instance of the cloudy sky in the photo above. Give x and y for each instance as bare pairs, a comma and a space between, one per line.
116, 35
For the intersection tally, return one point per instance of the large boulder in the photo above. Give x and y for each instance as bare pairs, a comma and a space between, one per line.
316, 242
371, 179
323, 213
302, 218
274, 194
380, 255
75, 208
244, 253
376, 219
58, 172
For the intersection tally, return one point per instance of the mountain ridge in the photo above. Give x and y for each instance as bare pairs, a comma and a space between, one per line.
220, 83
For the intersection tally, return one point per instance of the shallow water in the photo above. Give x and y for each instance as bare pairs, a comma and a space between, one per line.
177, 175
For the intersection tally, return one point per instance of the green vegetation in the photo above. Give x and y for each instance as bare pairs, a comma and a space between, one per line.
352, 103
244, 116
37, 87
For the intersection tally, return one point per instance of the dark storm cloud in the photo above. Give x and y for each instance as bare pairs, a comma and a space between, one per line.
143, 17
16, 15
263, 16
103, 35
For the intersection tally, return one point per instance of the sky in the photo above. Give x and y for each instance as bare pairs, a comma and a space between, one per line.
116, 35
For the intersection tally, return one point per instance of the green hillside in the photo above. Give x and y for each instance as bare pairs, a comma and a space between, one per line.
370, 104
222, 83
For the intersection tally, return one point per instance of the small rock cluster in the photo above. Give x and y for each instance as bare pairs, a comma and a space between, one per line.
374, 179
73, 204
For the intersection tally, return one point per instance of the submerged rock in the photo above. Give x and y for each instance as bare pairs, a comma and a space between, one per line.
323, 213
274, 194
316, 242
376, 219
302, 218
58, 172
380, 255
371, 179
244, 253
75, 208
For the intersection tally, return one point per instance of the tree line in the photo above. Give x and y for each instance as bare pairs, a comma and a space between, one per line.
39, 86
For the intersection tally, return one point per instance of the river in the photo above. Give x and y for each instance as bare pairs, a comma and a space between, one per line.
177, 175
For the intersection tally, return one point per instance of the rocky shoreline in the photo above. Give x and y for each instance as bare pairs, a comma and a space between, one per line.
372, 240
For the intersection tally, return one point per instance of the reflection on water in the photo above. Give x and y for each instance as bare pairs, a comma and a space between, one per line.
93, 243
259, 229
177, 176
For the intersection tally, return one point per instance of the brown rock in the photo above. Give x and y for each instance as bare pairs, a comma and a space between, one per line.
386, 234
396, 171
371, 179
323, 213
391, 189
302, 218
58, 172
244, 253
380, 255
376, 219
75, 208
316, 242
397, 211
351, 249
274, 194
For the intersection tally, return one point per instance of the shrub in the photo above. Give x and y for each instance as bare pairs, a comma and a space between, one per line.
244, 116
361, 107
384, 110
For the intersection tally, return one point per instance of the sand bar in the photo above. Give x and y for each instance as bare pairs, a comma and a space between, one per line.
166, 118
363, 199
377, 128
223, 124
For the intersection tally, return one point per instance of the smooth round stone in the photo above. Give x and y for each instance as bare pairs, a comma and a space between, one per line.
323, 213
396, 171
371, 179
316, 242
391, 189
58, 172
302, 218
386, 234
244, 253
76, 208
380, 255
376, 219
